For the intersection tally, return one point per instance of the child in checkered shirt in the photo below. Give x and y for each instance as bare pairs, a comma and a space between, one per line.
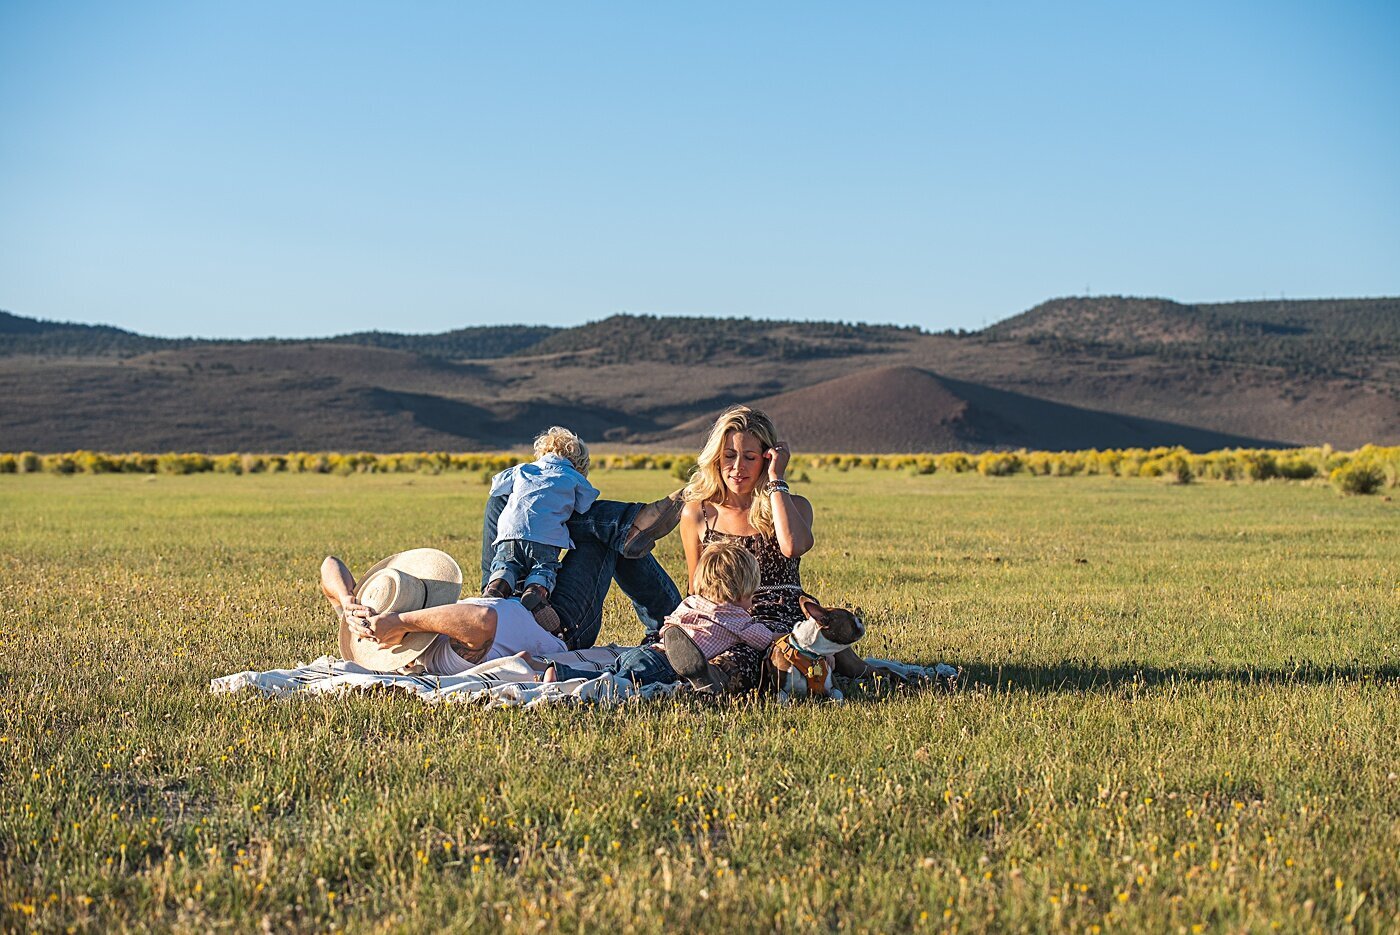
713, 620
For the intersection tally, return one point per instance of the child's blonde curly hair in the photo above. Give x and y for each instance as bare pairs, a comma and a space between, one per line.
557, 440
727, 573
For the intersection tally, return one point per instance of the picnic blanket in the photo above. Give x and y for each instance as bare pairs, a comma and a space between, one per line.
505, 682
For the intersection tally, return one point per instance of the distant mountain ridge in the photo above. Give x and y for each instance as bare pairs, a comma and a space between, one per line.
1122, 319
1070, 372
1314, 335
481, 341
19, 335
617, 339
1323, 336
632, 338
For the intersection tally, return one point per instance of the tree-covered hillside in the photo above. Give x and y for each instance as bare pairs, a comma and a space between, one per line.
619, 339
627, 338
1325, 337
1322, 337
486, 341
19, 335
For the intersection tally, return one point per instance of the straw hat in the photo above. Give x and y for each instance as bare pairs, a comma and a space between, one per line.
405, 581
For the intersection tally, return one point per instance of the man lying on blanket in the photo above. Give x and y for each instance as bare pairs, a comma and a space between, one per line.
405, 616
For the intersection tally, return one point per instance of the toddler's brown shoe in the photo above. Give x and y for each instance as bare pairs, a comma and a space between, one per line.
534, 595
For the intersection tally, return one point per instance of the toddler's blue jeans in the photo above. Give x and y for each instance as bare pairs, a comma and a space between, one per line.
645, 665
518, 559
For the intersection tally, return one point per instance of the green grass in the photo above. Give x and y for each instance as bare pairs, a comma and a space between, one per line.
1189, 720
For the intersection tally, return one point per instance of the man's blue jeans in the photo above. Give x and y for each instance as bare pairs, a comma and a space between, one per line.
590, 568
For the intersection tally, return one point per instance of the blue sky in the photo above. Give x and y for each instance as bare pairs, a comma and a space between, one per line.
249, 169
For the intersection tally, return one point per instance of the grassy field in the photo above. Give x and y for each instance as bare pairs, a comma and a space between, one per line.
1183, 714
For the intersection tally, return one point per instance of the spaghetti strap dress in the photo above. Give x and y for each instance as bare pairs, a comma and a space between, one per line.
775, 603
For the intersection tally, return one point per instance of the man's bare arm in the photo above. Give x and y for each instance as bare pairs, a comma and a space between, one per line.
473, 626
336, 581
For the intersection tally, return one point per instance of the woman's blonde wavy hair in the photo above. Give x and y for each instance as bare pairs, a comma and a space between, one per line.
707, 485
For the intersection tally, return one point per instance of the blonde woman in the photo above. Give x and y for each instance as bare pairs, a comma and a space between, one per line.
739, 494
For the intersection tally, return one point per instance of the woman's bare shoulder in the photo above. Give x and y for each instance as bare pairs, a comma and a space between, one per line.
694, 511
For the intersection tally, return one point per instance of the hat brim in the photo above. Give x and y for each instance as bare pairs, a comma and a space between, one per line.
442, 584
370, 654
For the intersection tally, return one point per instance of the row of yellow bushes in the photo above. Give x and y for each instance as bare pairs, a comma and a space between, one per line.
1364, 470
1177, 463
299, 462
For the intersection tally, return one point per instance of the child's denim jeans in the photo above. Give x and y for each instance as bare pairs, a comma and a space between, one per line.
645, 665
534, 562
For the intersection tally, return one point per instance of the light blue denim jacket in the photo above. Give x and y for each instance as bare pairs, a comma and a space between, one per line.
543, 495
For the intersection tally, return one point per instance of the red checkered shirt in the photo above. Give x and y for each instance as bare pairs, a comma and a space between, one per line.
718, 628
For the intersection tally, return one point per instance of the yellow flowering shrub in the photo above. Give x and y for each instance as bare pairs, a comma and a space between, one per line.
1367, 469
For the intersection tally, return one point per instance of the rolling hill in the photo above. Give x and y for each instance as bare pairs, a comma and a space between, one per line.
906, 409
1069, 373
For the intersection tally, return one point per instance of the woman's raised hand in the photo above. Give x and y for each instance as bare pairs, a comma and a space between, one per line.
778, 457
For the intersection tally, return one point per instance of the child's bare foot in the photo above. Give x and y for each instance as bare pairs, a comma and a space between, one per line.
543, 668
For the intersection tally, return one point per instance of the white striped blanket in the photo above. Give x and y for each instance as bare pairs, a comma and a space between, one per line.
498, 683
